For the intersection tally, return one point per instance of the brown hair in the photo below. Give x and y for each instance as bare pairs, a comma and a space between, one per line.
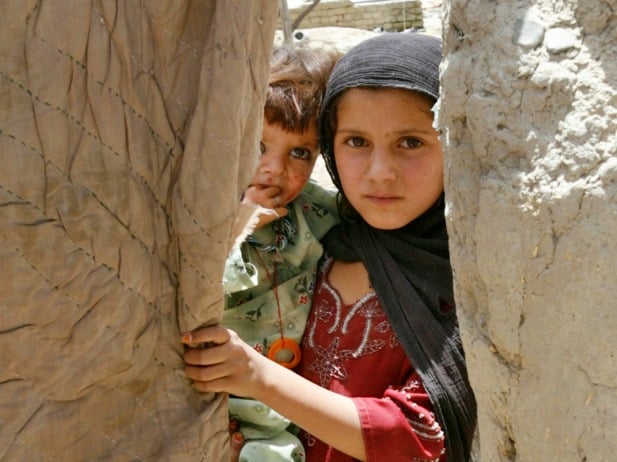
298, 78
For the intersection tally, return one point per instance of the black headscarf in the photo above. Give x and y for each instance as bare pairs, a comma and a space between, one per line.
409, 267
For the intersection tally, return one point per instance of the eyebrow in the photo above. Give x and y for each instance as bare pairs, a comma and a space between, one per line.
312, 148
406, 131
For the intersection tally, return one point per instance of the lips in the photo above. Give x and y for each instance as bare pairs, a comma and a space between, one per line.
382, 199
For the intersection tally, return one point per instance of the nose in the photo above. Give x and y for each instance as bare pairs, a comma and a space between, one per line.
381, 165
271, 164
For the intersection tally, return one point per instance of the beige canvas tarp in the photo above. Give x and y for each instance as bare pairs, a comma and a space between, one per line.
127, 131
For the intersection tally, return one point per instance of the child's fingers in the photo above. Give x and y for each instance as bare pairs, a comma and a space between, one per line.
215, 379
266, 196
237, 441
206, 356
206, 375
281, 211
266, 218
208, 387
206, 335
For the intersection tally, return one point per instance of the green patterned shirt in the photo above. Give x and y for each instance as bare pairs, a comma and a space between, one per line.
288, 257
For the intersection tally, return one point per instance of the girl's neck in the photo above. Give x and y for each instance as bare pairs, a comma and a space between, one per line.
351, 280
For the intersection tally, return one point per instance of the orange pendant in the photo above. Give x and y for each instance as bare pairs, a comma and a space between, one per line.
285, 344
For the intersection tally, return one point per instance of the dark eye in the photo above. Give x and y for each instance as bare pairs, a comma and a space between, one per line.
262, 147
300, 153
410, 142
356, 142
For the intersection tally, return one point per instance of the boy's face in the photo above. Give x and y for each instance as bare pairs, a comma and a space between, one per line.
388, 155
287, 160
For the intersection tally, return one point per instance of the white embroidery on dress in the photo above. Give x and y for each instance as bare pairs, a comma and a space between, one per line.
394, 343
382, 327
412, 385
368, 310
432, 433
310, 439
369, 347
337, 306
330, 363
324, 312
329, 360
367, 307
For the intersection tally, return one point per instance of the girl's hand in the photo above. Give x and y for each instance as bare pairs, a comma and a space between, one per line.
225, 364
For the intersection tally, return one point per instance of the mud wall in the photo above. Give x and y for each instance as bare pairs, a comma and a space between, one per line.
529, 122
392, 15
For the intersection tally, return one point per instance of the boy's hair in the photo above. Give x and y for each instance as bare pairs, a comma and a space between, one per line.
298, 78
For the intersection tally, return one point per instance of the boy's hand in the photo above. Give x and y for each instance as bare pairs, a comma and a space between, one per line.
268, 197
236, 443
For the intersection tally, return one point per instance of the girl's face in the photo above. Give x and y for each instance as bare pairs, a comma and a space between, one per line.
388, 155
287, 159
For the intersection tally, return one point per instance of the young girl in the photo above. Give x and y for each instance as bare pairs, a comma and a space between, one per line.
382, 376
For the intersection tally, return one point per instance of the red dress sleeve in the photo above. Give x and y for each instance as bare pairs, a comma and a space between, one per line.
400, 426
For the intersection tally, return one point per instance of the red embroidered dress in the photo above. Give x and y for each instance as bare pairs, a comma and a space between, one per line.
352, 350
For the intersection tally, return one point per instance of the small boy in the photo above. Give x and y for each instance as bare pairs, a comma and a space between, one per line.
269, 277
